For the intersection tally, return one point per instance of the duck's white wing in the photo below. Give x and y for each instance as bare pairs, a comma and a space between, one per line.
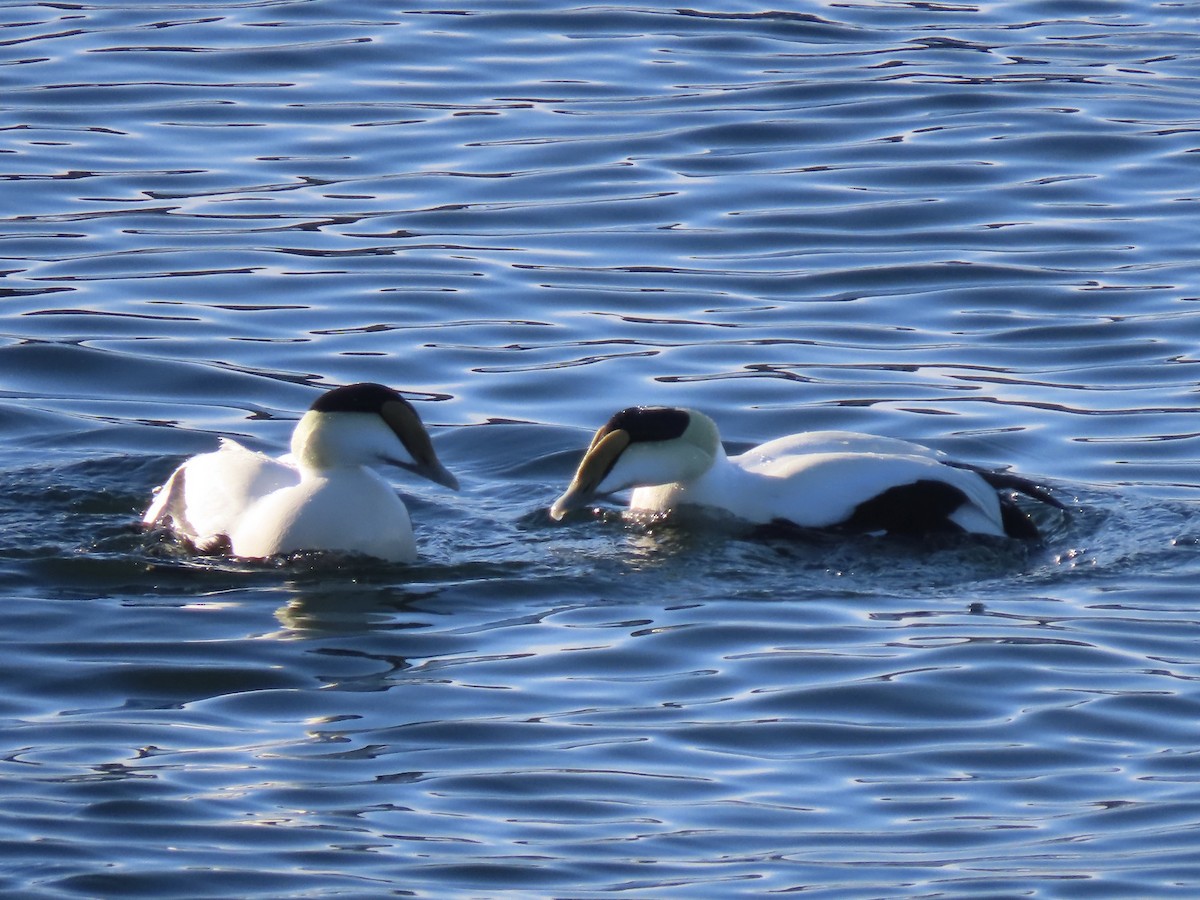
824, 489
812, 442
208, 494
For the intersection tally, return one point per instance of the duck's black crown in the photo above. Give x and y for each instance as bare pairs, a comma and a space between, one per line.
649, 423
365, 397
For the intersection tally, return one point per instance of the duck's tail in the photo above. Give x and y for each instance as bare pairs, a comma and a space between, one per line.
1006, 481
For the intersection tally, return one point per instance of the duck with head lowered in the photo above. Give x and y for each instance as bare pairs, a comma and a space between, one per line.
324, 495
835, 480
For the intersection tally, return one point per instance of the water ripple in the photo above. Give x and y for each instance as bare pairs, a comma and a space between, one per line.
968, 225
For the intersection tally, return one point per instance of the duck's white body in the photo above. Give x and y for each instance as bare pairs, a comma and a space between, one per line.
818, 479
264, 507
674, 460
321, 496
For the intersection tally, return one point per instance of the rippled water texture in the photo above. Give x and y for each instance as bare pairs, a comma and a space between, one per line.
970, 225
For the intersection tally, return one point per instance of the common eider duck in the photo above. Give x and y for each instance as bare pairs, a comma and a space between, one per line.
835, 480
324, 495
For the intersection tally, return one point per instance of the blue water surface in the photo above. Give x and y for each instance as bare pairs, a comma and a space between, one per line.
971, 225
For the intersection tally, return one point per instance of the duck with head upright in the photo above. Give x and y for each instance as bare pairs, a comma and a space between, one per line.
324, 495
837, 480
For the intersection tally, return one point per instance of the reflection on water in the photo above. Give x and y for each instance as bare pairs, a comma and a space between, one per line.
969, 226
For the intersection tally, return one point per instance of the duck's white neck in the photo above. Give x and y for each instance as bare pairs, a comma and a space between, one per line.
722, 484
720, 479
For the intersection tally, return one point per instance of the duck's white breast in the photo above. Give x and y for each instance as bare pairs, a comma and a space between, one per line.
349, 510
